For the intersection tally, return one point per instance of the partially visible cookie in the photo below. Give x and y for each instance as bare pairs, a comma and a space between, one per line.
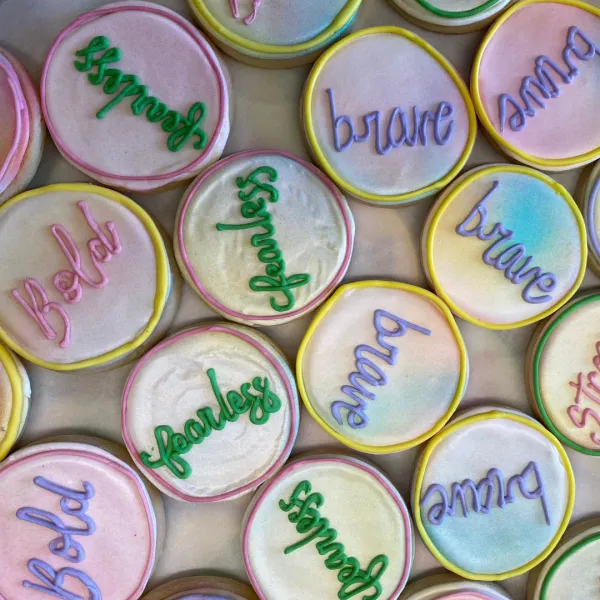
202, 588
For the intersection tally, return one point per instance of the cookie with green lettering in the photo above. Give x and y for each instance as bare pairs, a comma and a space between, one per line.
210, 413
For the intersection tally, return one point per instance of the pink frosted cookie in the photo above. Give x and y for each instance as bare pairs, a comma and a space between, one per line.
274, 245
89, 281
451, 587
21, 127
202, 588
80, 522
210, 413
135, 97
328, 526
536, 82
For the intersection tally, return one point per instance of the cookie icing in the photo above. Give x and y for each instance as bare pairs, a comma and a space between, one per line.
502, 511
591, 214
78, 251
383, 366
210, 413
450, 587
275, 245
75, 506
145, 86
494, 264
535, 82
352, 503
406, 134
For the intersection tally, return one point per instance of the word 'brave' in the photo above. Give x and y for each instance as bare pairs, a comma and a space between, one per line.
398, 130
368, 372
73, 504
508, 258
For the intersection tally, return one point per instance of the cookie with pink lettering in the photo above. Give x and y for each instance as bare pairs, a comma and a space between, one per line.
89, 283
22, 128
392, 134
202, 588
588, 196
210, 413
81, 525
328, 526
504, 246
135, 97
536, 80
383, 366
451, 587
492, 494
275, 33
273, 247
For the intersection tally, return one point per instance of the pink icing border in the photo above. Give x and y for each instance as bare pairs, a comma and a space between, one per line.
205, 48
466, 594
294, 409
122, 468
202, 290
379, 477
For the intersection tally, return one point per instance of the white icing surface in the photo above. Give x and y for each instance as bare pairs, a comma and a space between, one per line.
413, 8
6, 400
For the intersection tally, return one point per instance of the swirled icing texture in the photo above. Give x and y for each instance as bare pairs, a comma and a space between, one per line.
172, 385
567, 126
420, 386
379, 72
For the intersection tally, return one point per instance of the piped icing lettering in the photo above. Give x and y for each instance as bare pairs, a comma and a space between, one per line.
491, 488
73, 503
398, 130
254, 206
545, 84
235, 11
307, 519
68, 282
369, 373
256, 399
180, 128
511, 259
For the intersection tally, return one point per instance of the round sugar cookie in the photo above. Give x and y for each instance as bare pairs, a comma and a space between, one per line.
492, 494
82, 525
563, 367
504, 246
293, 520
589, 199
22, 129
383, 366
202, 588
387, 116
210, 413
144, 85
572, 569
535, 83
449, 587
275, 33
89, 281
274, 245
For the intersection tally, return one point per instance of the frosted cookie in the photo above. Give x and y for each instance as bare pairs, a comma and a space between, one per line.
563, 369
589, 200
383, 366
22, 129
81, 525
328, 526
504, 246
89, 281
202, 588
15, 392
391, 134
450, 587
273, 247
571, 572
275, 33
493, 493
146, 87
210, 413
535, 83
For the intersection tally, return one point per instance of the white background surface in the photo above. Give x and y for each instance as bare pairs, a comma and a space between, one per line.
206, 539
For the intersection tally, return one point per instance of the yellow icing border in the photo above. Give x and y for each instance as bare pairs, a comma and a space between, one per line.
322, 312
312, 137
16, 412
420, 474
343, 19
455, 191
163, 275
481, 113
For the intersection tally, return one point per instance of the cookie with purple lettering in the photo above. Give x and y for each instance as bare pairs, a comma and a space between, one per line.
451, 587
328, 526
202, 588
492, 494
588, 197
504, 246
